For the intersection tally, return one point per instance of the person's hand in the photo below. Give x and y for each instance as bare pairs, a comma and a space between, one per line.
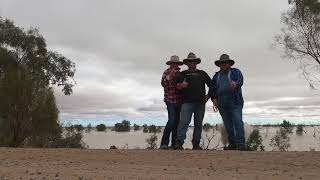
233, 85
184, 84
215, 105
171, 74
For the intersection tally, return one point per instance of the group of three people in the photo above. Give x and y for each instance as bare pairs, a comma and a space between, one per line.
185, 95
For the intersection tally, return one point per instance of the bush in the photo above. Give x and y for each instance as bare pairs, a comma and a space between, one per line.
124, 126
286, 125
281, 140
78, 127
136, 127
113, 147
206, 127
152, 142
101, 127
69, 139
254, 141
88, 128
299, 129
154, 129
145, 128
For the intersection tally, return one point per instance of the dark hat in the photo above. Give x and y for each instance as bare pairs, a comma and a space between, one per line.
224, 58
174, 59
191, 58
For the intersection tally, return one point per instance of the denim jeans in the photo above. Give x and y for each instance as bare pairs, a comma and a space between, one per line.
232, 120
187, 109
172, 124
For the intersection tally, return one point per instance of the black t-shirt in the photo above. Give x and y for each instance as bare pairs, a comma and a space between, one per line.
196, 91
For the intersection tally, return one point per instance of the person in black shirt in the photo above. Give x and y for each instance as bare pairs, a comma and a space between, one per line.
192, 83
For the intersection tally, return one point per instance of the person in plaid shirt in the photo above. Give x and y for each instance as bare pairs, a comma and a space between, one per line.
172, 98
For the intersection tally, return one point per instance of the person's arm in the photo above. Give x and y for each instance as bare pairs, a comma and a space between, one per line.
214, 87
237, 79
164, 81
209, 84
181, 81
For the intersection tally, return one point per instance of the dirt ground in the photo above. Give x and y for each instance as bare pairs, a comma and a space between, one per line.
79, 164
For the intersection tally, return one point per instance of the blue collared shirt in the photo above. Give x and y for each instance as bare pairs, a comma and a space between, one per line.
233, 75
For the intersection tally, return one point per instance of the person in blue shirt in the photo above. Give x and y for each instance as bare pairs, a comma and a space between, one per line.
227, 97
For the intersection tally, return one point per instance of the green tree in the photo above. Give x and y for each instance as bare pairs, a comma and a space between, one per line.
281, 140
124, 126
27, 69
206, 127
299, 130
152, 142
28, 48
136, 127
287, 126
154, 129
101, 127
300, 38
254, 142
145, 128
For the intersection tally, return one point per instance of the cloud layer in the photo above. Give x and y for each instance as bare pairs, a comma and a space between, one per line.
120, 48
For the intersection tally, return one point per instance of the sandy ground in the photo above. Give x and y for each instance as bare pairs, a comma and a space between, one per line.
156, 164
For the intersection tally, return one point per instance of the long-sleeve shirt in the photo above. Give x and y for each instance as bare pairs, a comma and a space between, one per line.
233, 75
171, 94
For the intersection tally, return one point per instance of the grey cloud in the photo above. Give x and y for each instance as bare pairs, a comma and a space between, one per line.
121, 40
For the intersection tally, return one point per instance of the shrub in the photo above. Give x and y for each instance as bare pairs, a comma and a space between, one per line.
154, 129
78, 127
281, 140
287, 126
206, 127
136, 127
113, 147
67, 139
145, 128
88, 128
299, 129
124, 126
254, 141
152, 142
101, 127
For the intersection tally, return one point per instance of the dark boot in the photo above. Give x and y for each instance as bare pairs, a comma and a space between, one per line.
230, 147
196, 147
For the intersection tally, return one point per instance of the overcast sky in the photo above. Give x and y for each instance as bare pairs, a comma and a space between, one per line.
120, 48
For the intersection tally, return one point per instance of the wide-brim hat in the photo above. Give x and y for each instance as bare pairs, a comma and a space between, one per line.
224, 58
174, 60
192, 58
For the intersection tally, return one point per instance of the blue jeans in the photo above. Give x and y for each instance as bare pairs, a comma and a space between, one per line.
187, 109
172, 124
232, 120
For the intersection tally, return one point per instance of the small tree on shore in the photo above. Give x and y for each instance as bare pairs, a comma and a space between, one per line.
207, 127
254, 142
287, 126
152, 142
154, 129
101, 127
281, 141
124, 126
299, 130
145, 128
136, 127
